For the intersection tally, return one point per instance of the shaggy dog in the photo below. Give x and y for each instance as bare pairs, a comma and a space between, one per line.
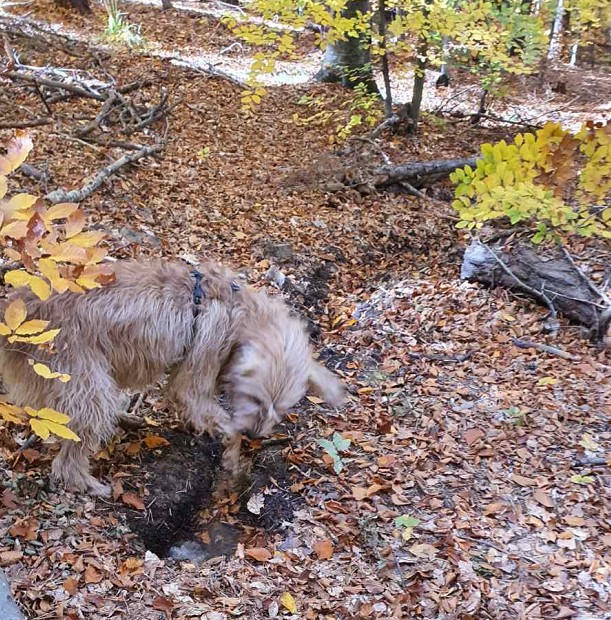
210, 334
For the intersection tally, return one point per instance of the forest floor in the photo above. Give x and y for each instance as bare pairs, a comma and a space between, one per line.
475, 478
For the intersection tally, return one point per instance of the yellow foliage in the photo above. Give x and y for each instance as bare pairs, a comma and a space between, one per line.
551, 181
57, 255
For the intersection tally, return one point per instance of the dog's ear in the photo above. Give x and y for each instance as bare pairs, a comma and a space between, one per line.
326, 385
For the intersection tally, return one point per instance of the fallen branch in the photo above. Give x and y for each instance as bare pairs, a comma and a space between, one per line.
416, 173
443, 359
550, 280
61, 195
545, 348
35, 122
33, 172
591, 461
41, 81
210, 70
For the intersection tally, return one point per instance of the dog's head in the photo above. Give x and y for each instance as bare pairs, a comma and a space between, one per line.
270, 371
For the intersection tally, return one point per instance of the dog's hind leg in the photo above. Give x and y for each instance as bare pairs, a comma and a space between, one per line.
92, 404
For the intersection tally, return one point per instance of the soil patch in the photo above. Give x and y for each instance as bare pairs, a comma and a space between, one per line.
180, 483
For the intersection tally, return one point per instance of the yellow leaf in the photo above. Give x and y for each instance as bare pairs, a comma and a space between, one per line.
3, 186
547, 381
53, 416
19, 202
46, 373
62, 431
88, 283
87, 239
40, 338
16, 153
15, 230
5, 330
59, 211
15, 314
31, 327
288, 602
11, 413
21, 277
39, 428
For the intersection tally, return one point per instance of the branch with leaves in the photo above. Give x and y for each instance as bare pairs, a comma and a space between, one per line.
52, 252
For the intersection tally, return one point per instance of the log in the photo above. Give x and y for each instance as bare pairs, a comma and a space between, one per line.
418, 174
554, 281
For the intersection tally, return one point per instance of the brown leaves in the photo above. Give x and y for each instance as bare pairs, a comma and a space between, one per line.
472, 435
523, 481
92, 575
261, 554
543, 498
154, 441
324, 549
131, 499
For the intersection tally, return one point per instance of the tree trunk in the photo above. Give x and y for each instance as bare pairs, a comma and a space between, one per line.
82, 6
349, 61
419, 173
385, 67
555, 41
166, 4
555, 282
419, 76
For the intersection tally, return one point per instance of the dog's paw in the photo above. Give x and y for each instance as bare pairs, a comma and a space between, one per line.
99, 489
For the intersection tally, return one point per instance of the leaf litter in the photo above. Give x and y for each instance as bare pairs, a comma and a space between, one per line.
458, 494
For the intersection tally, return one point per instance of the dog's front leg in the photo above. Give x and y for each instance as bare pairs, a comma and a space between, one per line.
231, 454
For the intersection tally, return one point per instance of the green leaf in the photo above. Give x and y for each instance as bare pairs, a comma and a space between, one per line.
340, 443
579, 479
406, 521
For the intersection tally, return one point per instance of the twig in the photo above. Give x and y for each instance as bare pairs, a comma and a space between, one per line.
387, 124
410, 189
545, 348
61, 195
33, 172
537, 294
40, 81
81, 132
444, 359
585, 278
35, 122
210, 70
591, 461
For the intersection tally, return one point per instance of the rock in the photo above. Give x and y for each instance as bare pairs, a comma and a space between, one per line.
279, 251
8, 607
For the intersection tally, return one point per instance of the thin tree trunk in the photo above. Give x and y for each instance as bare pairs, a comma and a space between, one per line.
419, 77
385, 68
555, 41
349, 61
166, 4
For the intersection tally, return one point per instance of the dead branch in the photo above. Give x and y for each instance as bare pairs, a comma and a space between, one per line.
416, 173
550, 280
100, 116
33, 172
41, 81
545, 348
209, 70
35, 122
61, 195
443, 359
591, 461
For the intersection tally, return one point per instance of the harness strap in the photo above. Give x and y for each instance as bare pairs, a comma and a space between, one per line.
198, 290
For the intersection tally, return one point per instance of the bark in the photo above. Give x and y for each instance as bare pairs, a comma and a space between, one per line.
385, 67
418, 91
166, 4
419, 174
349, 61
555, 41
553, 281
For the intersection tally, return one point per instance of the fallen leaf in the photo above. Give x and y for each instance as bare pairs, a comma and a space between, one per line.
423, 550
579, 479
324, 549
523, 481
495, 508
472, 435
92, 575
154, 441
287, 600
547, 381
10, 557
574, 521
8, 499
131, 499
543, 498
163, 604
256, 503
71, 586
261, 554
